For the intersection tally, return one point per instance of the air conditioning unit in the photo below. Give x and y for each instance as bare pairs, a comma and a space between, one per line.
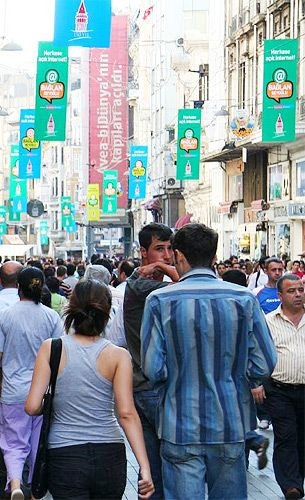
180, 42
172, 183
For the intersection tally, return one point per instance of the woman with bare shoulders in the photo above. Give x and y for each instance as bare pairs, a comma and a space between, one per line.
86, 451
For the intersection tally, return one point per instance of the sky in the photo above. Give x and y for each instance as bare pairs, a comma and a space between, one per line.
30, 21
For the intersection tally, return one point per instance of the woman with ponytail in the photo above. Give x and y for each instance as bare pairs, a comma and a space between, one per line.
23, 328
86, 456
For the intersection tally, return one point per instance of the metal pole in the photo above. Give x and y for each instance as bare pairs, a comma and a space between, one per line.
110, 243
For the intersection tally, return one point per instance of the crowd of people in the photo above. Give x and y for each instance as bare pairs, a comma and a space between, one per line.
184, 355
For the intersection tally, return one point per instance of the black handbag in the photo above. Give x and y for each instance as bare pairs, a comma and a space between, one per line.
40, 473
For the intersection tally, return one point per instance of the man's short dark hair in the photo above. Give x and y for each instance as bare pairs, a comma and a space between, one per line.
36, 263
49, 272
61, 271
127, 267
289, 277
71, 268
60, 262
154, 230
198, 243
104, 262
228, 263
272, 259
296, 262
235, 276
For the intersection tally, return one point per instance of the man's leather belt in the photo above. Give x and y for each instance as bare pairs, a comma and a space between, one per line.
283, 385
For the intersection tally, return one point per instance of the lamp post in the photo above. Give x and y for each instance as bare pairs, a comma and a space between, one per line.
203, 73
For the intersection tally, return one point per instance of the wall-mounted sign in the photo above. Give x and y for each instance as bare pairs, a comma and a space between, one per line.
93, 202
242, 124
35, 208
224, 208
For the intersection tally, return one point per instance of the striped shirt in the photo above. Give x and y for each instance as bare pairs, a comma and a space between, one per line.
203, 340
289, 342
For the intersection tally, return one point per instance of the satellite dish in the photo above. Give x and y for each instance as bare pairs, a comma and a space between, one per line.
35, 208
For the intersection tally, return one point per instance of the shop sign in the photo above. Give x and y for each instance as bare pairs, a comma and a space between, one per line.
257, 205
280, 212
261, 216
250, 216
242, 124
280, 90
235, 167
224, 208
296, 210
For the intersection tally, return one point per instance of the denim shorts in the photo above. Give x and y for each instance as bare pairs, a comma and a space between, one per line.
87, 471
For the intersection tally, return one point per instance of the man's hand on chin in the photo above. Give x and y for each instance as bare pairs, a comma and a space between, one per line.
158, 269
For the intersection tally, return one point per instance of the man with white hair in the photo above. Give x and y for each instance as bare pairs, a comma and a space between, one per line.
100, 273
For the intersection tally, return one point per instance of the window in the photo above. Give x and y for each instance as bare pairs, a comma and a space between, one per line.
276, 28
279, 182
235, 187
242, 85
300, 173
285, 22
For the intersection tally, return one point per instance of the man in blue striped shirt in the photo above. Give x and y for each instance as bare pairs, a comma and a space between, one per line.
203, 342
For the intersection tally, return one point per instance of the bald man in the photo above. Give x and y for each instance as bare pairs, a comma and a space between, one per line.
8, 278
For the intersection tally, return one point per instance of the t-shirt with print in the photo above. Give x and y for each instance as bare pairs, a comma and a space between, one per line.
268, 299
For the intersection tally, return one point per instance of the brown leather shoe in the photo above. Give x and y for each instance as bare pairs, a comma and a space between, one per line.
293, 493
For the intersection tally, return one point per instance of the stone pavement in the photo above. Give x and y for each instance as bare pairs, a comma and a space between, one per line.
261, 484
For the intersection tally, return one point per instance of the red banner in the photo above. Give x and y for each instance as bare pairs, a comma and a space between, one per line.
108, 109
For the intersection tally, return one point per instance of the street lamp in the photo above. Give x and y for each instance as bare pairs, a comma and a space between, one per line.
3, 112
203, 73
11, 47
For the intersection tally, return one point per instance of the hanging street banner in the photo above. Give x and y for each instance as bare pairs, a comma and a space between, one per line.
110, 181
29, 147
280, 90
137, 173
3, 226
44, 232
72, 227
17, 186
51, 92
108, 115
93, 202
66, 214
188, 144
12, 216
82, 23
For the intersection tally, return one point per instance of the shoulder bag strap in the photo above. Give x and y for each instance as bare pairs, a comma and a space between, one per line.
56, 348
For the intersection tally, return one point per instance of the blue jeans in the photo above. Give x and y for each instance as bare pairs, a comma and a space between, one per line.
147, 404
186, 468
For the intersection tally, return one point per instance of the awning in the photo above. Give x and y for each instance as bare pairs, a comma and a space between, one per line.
153, 204
14, 250
183, 220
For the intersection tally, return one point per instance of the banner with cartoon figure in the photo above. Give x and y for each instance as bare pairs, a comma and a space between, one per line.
51, 92
66, 213
82, 23
43, 232
188, 145
3, 226
93, 202
138, 170
17, 187
280, 90
110, 181
29, 147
